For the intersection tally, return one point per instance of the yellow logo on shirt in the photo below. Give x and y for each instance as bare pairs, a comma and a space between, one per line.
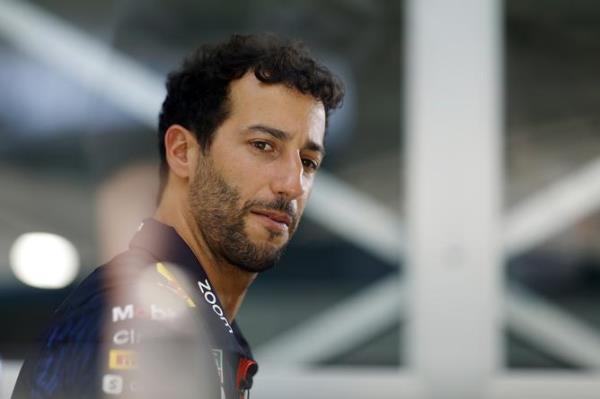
121, 359
174, 284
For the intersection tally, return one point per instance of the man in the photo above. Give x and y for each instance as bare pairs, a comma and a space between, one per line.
241, 137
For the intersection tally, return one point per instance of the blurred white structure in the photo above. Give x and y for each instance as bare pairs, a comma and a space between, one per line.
454, 190
44, 260
456, 307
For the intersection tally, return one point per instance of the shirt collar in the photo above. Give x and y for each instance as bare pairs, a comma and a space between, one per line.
165, 244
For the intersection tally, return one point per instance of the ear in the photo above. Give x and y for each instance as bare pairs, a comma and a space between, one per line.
181, 149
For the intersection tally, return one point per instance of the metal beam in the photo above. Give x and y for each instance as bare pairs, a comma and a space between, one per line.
336, 382
545, 385
551, 329
340, 328
553, 209
9, 371
92, 64
454, 188
356, 217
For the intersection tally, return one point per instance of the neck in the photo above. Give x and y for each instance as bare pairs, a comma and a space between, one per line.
229, 281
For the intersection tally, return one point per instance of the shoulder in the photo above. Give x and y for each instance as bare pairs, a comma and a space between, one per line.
131, 288
81, 315
104, 316
132, 285
92, 293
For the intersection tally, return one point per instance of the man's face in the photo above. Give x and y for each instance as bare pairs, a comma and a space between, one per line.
251, 186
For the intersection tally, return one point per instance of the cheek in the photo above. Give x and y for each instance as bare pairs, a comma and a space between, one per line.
252, 189
244, 176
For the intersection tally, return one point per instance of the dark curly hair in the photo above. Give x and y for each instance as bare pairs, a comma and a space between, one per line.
197, 93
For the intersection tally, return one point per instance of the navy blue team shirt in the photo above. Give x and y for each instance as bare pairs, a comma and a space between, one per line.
155, 298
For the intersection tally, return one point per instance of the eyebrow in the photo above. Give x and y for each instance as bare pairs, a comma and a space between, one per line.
285, 136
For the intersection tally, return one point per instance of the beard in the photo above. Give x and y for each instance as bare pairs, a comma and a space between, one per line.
215, 207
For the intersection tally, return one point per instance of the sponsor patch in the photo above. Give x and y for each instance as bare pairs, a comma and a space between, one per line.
112, 384
126, 337
128, 312
174, 285
121, 359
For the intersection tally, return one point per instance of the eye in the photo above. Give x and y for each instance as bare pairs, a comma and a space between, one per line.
262, 146
309, 164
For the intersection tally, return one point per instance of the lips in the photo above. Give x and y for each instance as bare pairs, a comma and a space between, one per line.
278, 217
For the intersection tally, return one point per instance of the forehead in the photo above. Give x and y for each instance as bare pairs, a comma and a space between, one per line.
254, 102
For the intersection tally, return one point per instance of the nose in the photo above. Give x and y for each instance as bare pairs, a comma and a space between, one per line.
289, 181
